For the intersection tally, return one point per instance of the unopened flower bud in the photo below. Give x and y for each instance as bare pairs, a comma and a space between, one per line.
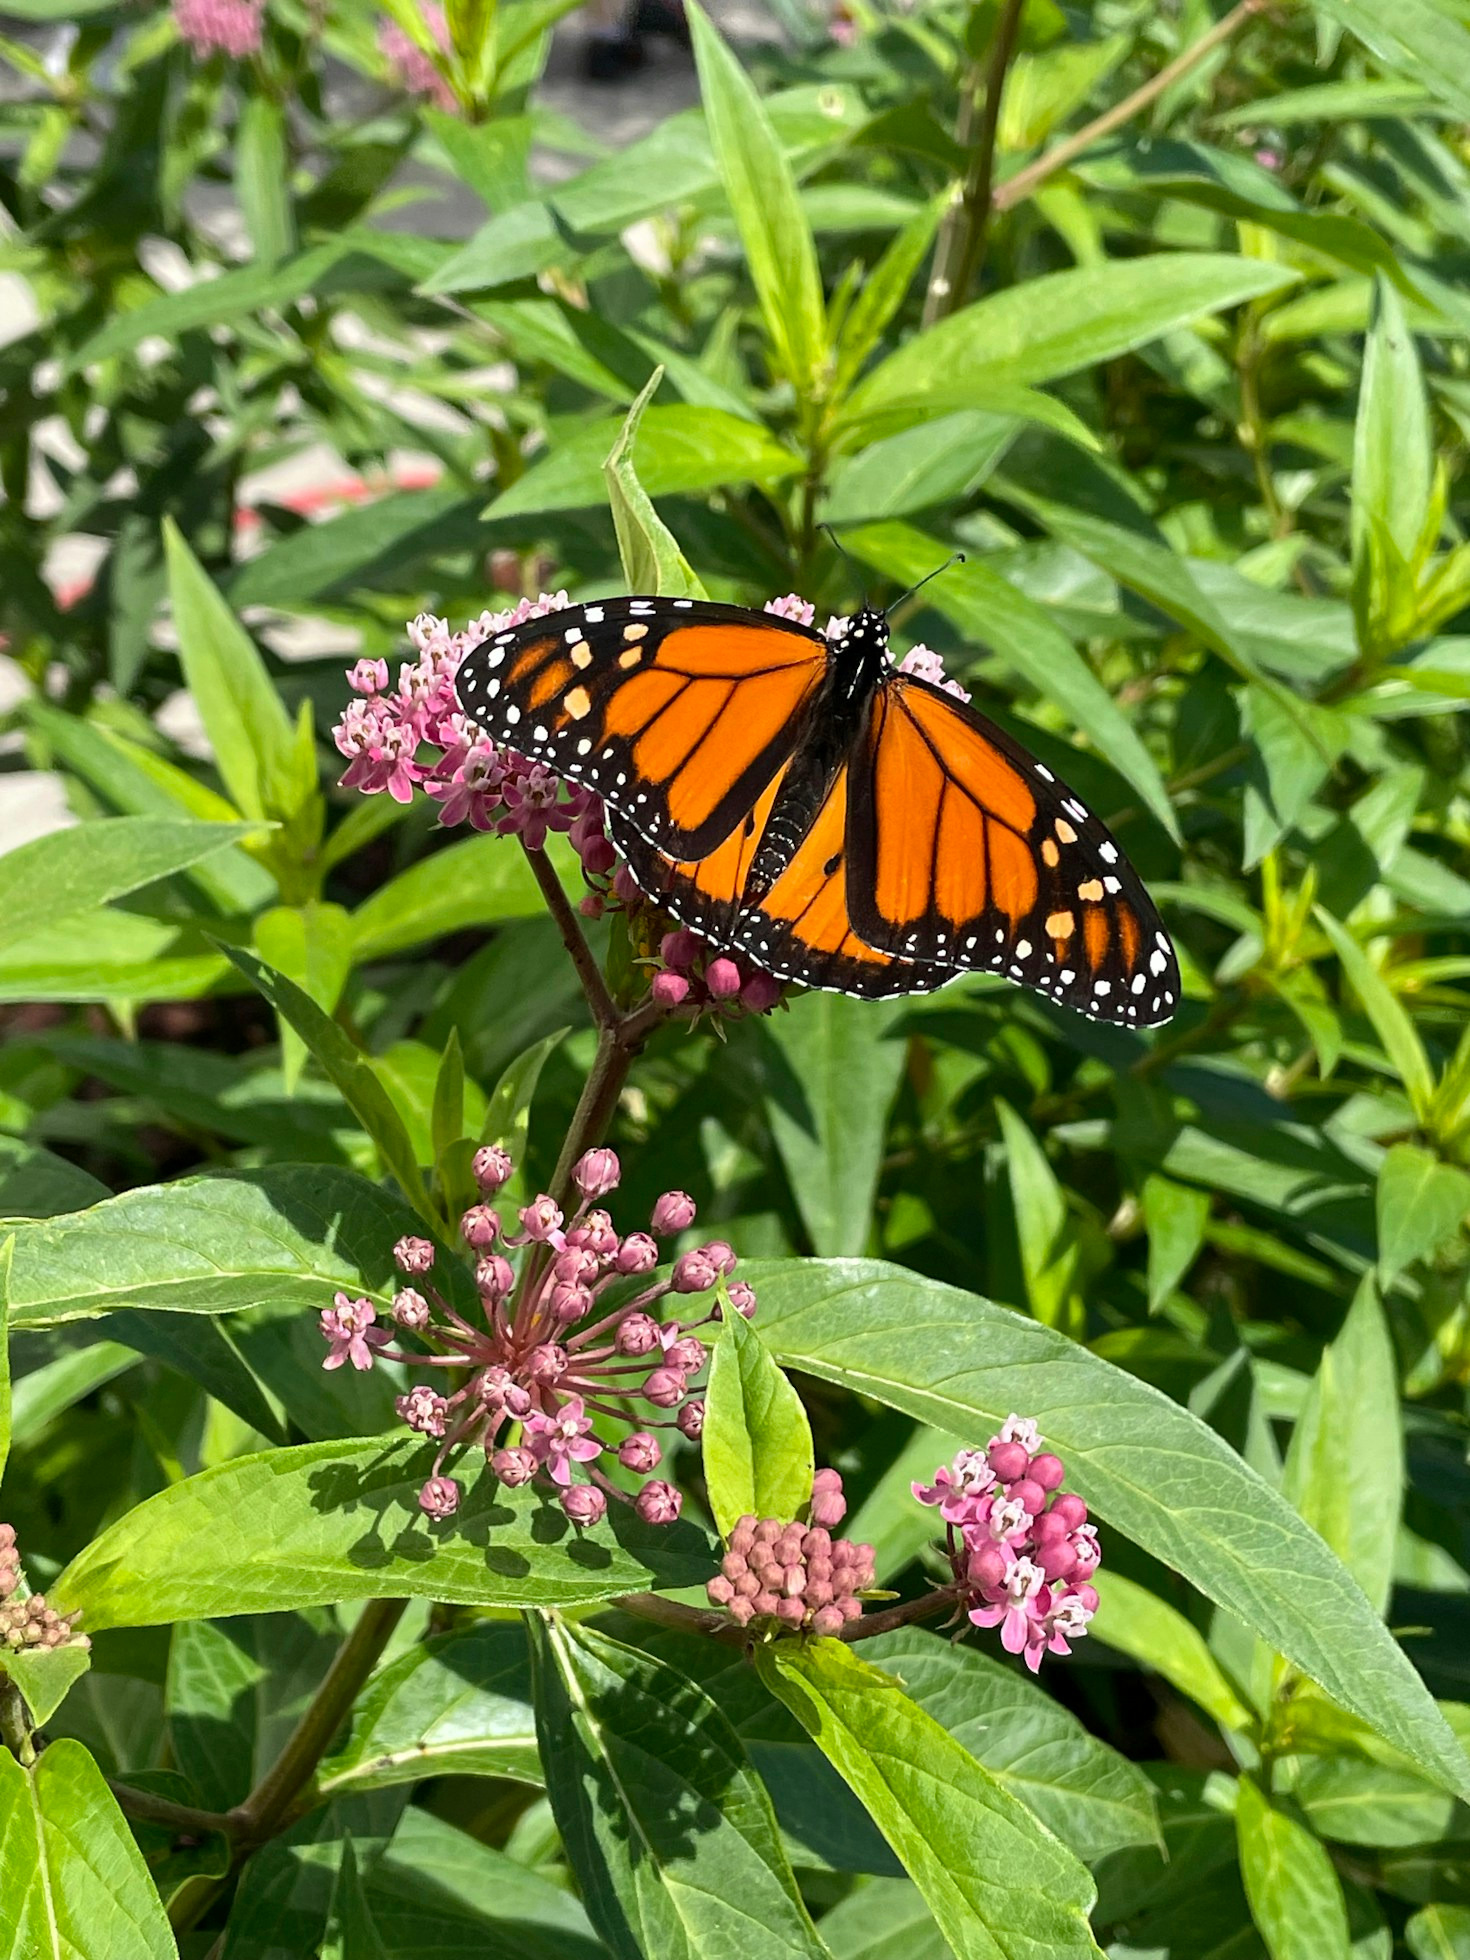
1029, 1495
742, 1298
721, 1257
1047, 1470
575, 1264
637, 1254
680, 948
658, 1503
690, 1420
743, 1536
492, 1167
597, 1172
719, 1591
674, 1212
413, 1256
987, 1568
439, 1497
722, 977
766, 1603
480, 1227
547, 1363
1070, 1509
828, 1621
410, 1310
694, 1272
742, 1611
791, 1611
570, 1302
595, 1234
514, 1466
760, 993
638, 1333
828, 1506
850, 1608
688, 1354
584, 1504
494, 1276
665, 1387
542, 1221
639, 1452
1008, 1461
423, 1411
669, 990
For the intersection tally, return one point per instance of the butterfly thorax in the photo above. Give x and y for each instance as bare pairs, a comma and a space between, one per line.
856, 664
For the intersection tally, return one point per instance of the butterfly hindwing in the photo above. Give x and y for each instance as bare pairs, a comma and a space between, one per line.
679, 712
966, 852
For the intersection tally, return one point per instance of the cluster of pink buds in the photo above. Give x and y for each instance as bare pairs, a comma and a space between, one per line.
228, 27
27, 1622
796, 1577
1022, 1550
414, 736
411, 67
551, 1357
691, 975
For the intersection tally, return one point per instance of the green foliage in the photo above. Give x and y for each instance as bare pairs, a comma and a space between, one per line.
1197, 417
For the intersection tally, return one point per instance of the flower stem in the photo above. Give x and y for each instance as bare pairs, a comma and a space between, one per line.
961, 246
599, 1099
15, 1727
181, 1818
599, 1000
1016, 189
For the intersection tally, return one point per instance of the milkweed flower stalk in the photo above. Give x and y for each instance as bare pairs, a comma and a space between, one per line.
28, 1624
794, 1577
568, 1349
1021, 1548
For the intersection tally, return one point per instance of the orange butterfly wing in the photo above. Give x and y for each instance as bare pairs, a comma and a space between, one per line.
677, 711
963, 851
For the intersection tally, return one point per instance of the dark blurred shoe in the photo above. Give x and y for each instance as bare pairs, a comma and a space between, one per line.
664, 17
611, 57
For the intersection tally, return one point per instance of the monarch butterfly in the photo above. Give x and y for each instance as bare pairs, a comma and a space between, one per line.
843, 824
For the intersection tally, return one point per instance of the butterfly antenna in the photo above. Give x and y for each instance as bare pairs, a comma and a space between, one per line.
954, 558
843, 552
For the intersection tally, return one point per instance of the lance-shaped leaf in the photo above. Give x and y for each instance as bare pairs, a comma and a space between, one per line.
1000, 1886
1140, 1460
287, 1236
757, 1443
652, 560
1157, 1635
1422, 1204
668, 1828
74, 1882
7, 1249
337, 1521
1296, 1899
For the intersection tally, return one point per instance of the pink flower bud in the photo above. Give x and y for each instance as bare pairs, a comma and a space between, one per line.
767, 1530
850, 1608
492, 1167
674, 1212
514, 1467
1047, 1470
1048, 1528
742, 1298
570, 1301
747, 1587
410, 1310
595, 1234
679, 948
584, 1504
638, 1333
1070, 1509
658, 1503
793, 1580
827, 1621
480, 1227
575, 1264
722, 977
742, 1612
734, 1566
766, 1603
547, 1363
592, 905
791, 1611
694, 1272
423, 1411
688, 1354
368, 677
669, 990
541, 1221
439, 1497
690, 1421
720, 1256
1029, 1494
494, 1276
818, 1591
819, 1566
639, 1453
1088, 1595
1056, 1559
760, 993
1008, 1461
719, 1592
665, 1388
637, 1254
625, 886
597, 1172
987, 1568
743, 1536
413, 1256
499, 1391
828, 1506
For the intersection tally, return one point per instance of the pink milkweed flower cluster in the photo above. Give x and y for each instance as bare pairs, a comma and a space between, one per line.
28, 1621
550, 1358
1022, 1549
692, 975
796, 1576
230, 27
411, 67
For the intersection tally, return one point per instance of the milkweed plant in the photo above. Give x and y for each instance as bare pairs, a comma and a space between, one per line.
521, 1429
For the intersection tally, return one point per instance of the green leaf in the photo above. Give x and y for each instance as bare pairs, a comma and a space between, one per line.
459, 1705
652, 560
1426, 41
312, 946
112, 956
758, 180
1440, 1933
1345, 1467
1393, 455
235, 1691
35, 1183
833, 1074
989, 608
263, 177
885, 1919
46, 1676
1049, 1248
7, 1251
1176, 1216
667, 1827
352, 1930
243, 715
1295, 1898
889, 1520
1391, 1022
1094, 1799
289, 1236
1016, 1891
1140, 1460
1422, 1204
1140, 1624
678, 449
46, 1392
67, 872
757, 1444
354, 547
946, 457
884, 291
352, 1071
334, 1521
75, 1881
477, 882
1048, 327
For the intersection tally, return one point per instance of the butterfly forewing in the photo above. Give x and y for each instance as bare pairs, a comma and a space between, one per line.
963, 851
677, 711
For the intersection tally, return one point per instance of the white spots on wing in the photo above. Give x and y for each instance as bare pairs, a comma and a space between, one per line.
492, 688
538, 733
641, 606
1044, 773
497, 654
594, 615
1156, 963
1108, 853
1023, 949
1102, 986
512, 713
1139, 982
1113, 884
573, 634
1066, 976
1078, 810
684, 605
